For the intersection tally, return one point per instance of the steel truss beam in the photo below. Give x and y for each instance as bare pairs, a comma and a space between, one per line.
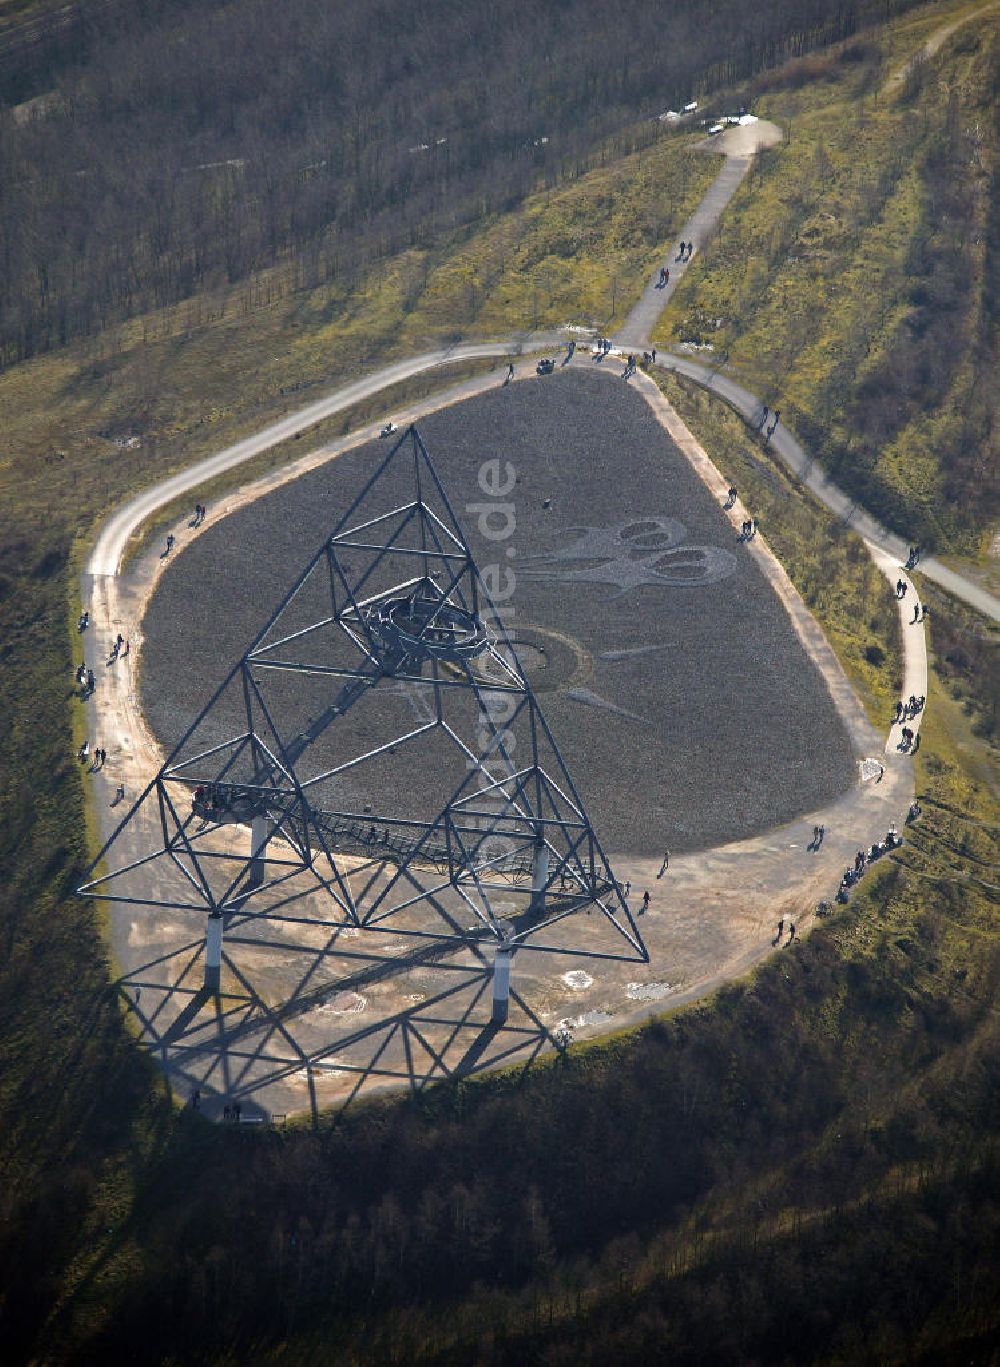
493, 848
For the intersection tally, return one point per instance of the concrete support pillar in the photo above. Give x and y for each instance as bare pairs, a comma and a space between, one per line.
539, 875
258, 839
501, 985
213, 952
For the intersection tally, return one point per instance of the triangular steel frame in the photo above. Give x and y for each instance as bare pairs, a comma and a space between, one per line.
391, 599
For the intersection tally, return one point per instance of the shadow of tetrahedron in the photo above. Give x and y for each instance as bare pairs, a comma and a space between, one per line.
277, 826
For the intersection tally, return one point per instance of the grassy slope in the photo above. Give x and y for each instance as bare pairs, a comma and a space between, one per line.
83, 1114
194, 378
828, 564
851, 285
107, 1197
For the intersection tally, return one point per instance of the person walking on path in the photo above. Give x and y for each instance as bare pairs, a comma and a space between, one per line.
781, 931
645, 903
663, 866
510, 374
791, 933
916, 614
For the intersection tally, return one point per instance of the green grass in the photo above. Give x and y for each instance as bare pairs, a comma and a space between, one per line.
358, 416
817, 1139
192, 379
851, 288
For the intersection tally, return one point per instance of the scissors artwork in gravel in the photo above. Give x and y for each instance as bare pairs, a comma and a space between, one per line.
633, 555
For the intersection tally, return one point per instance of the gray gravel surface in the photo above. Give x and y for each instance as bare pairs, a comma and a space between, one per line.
723, 729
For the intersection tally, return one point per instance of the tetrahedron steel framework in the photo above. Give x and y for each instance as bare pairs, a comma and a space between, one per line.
460, 825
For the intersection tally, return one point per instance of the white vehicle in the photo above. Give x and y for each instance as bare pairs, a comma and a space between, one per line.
690, 108
715, 129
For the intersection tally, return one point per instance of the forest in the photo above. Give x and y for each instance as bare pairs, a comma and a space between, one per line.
152, 150
802, 1168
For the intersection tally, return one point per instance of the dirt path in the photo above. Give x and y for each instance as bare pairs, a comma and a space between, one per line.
933, 45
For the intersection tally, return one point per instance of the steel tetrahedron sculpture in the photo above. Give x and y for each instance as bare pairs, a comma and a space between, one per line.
377, 760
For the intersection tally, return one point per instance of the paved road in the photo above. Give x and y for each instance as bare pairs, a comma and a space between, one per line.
109, 548
106, 557
637, 328
785, 445
739, 145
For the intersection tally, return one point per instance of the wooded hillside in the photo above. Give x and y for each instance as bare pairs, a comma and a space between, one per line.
154, 149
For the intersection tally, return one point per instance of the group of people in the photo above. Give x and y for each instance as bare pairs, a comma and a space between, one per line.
913, 557
919, 609
199, 515
910, 741
87, 682
748, 529
602, 346
909, 708
86, 679
863, 858
781, 931
762, 424
684, 252
664, 278
100, 756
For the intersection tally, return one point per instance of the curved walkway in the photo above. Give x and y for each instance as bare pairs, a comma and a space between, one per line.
806, 469
711, 919
933, 44
114, 537
749, 885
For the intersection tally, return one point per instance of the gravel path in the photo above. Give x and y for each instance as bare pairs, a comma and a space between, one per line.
687, 712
